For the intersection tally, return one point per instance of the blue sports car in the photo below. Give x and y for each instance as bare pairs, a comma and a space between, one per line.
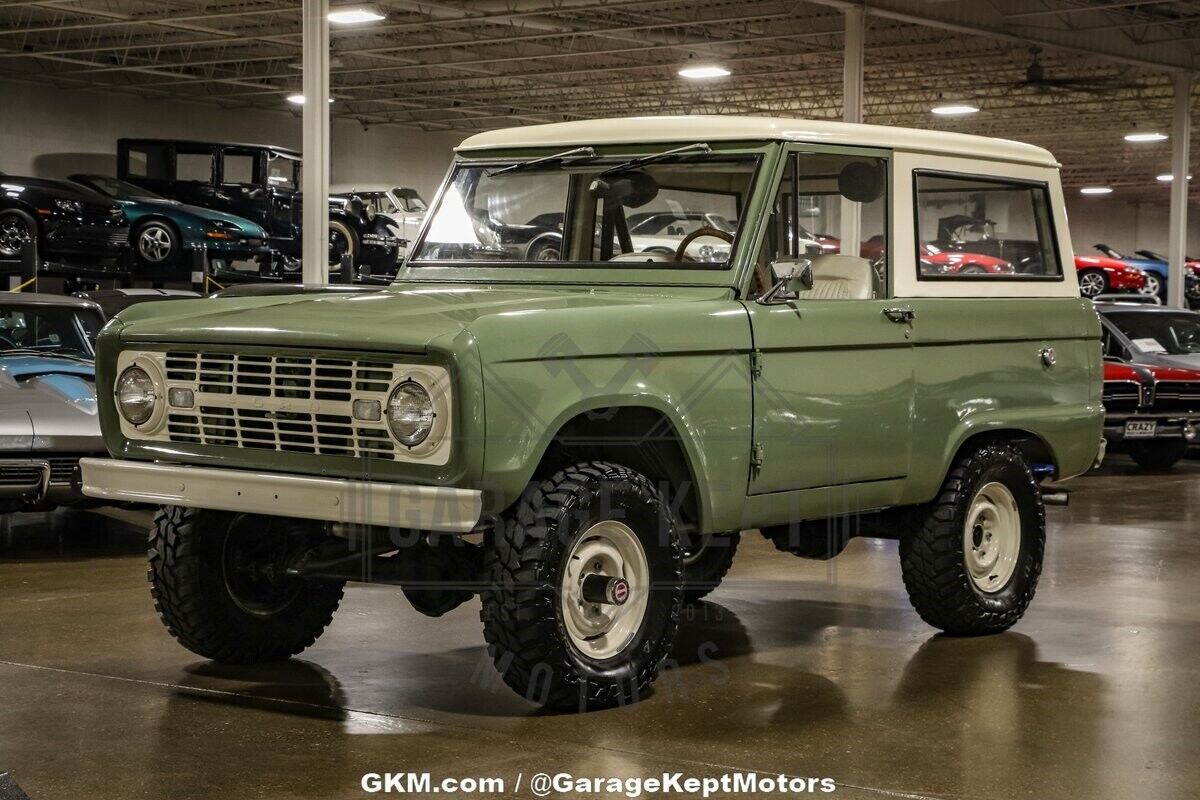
162, 230
1156, 270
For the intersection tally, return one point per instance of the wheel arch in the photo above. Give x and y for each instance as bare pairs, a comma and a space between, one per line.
643, 436
1034, 447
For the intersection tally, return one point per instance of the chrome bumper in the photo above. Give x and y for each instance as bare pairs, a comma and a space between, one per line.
426, 508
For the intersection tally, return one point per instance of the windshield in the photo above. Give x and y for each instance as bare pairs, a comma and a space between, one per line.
1158, 332
409, 200
49, 330
674, 212
120, 190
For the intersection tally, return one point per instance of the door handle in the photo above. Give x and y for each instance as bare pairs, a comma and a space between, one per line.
899, 314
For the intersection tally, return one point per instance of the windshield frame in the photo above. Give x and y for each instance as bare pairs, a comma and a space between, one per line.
1115, 318
763, 153
76, 322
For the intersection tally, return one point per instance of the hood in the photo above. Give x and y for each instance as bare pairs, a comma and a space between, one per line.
1116, 371
1102, 262
175, 208
58, 407
402, 318
1176, 368
17, 368
64, 190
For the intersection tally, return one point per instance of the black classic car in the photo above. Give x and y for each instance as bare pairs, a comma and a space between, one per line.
63, 220
260, 183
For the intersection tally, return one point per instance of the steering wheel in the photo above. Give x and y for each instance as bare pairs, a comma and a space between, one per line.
681, 250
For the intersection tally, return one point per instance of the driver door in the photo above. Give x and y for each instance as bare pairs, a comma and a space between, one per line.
833, 367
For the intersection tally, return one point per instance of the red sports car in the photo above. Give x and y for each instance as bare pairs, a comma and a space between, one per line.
1151, 413
1100, 275
935, 261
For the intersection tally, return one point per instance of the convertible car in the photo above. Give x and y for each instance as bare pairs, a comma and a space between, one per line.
64, 220
162, 230
1156, 270
1191, 285
1101, 275
47, 398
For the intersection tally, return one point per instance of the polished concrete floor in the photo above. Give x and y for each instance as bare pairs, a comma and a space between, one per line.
795, 667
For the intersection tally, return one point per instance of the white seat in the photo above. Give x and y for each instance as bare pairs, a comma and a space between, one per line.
838, 277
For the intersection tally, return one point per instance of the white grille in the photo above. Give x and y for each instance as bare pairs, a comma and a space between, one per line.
292, 403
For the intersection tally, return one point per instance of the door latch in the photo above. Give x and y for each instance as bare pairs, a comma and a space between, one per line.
901, 315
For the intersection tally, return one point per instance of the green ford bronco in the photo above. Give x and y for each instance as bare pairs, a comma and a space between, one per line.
615, 345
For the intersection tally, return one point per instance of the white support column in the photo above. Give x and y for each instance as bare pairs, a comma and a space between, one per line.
1181, 134
315, 184
852, 111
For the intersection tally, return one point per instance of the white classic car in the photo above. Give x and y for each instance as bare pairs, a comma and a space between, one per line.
402, 207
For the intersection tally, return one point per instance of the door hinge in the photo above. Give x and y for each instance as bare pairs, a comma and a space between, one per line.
755, 363
756, 457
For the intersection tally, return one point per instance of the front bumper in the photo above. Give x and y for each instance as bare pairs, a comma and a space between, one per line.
1172, 428
425, 508
105, 239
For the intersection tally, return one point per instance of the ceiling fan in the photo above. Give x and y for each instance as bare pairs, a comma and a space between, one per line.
1037, 80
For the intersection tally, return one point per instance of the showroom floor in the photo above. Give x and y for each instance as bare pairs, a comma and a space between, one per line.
806, 668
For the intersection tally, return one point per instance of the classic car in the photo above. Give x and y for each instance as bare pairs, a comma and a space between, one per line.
974, 234
1156, 270
935, 261
260, 183
400, 208
65, 221
47, 399
1150, 334
1101, 275
580, 441
163, 230
1151, 413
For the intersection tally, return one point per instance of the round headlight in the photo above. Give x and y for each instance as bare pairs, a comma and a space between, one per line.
136, 395
410, 413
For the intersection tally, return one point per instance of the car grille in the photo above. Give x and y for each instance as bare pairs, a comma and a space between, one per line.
119, 238
1177, 397
63, 470
1121, 397
20, 475
292, 403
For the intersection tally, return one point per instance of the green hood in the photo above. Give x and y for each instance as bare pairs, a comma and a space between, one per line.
403, 318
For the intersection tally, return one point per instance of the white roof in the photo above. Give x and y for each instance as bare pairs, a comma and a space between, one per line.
709, 128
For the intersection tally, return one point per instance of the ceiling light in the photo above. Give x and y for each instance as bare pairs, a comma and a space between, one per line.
354, 16
298, 99
1096, 190
954, 110
1168, 177
704, 72
1137, 138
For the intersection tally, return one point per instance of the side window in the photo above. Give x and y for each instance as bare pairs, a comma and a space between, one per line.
1112, 346
148, 161
983, 228
194, 166
824, 201
238, 169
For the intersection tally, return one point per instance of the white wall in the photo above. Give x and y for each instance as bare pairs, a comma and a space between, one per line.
50, 133
1126, 226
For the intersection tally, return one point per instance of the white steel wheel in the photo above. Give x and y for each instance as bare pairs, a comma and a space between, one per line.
612, 550
992, 538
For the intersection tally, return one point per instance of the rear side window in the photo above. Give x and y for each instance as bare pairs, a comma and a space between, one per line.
148, 161
196, 167
976, 228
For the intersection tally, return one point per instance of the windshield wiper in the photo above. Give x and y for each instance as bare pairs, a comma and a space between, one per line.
698, 147
578, 152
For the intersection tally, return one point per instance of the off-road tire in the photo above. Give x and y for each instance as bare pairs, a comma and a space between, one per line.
705, 572
932, 555
523, 567
191, 595
1157, 455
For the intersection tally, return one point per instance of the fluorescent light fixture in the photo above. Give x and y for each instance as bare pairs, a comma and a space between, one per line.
1138, 138
954, 110
703, 72
298, 99
1168, 177
1096, 190
354, 16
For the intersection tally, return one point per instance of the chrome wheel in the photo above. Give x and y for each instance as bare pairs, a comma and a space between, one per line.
155, 244
992, 538
1091, 284
14, 236
1153, 284
607, 556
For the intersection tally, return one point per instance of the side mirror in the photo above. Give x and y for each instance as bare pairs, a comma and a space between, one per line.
796, 276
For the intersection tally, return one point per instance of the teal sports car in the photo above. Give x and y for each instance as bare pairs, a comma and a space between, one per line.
161, 230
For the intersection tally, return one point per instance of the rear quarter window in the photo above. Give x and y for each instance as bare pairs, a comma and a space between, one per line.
983, 228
